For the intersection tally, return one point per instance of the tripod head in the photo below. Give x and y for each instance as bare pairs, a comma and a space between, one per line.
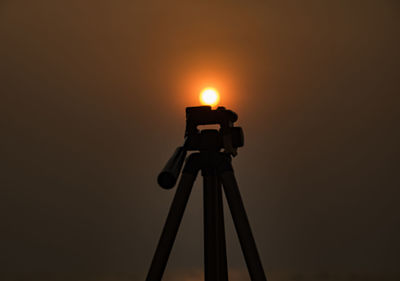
228, 138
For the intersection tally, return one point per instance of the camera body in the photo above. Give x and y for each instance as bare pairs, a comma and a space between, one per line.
228, 137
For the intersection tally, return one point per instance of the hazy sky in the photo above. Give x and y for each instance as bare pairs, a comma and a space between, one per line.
92, 105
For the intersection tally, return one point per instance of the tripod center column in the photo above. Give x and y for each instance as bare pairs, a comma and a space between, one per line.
215, 261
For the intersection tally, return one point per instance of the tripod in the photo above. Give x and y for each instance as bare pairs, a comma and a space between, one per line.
217, 171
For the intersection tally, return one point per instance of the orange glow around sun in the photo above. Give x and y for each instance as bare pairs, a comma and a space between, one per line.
209, 96
193, 80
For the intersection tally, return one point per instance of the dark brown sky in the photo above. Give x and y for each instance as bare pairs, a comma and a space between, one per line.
92, 105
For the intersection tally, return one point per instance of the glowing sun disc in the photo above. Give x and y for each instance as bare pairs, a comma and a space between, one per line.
209, 96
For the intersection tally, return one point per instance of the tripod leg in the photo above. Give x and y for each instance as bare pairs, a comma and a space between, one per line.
242, 226
171, 226
221, 239
215, 264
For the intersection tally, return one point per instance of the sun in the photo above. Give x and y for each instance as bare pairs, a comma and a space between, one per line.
209, 96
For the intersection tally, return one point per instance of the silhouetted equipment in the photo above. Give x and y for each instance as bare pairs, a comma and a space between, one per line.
168, 176
217, 171
228, 137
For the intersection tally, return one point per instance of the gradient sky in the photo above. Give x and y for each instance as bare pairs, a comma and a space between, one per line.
92, 106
